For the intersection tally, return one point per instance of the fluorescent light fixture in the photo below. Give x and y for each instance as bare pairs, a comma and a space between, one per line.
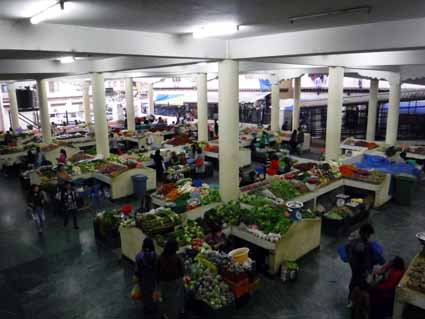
49, 13
202, 63
66, 59
216, 29
363, 9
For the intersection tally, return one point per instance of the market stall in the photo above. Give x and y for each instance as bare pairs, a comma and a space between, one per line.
411, 289
211, 150
51, 151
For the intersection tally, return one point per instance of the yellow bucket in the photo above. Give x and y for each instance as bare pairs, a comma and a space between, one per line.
240, 255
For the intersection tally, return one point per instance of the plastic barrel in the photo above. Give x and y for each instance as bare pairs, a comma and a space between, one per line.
405, 189
139, 185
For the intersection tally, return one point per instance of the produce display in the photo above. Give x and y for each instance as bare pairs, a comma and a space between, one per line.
187, 233
178, 140
338, 213
416, 275
211, 148
4, 150
88, 166
158, 221
283, 189
207, 286
360, 143
111, 169
80, 156
420, 150
368, 176
49, 147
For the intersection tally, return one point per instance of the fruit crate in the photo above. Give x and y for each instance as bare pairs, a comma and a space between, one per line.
239, 288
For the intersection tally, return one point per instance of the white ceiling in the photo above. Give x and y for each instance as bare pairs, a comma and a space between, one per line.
259, 16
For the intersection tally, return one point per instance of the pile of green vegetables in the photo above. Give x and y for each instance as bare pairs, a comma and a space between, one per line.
185, 234
267, 219
283, 189
212, 195
338, 213
255, 200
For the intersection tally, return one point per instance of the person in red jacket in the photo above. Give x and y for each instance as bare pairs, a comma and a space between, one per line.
274, 165
383, 293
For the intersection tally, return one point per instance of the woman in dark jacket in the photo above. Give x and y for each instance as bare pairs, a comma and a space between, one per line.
170, 272
293, 142
145, 273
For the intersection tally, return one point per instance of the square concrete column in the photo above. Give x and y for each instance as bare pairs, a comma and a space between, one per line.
228, 116
275, 107
2, 121
13, 107
334, 112
129, 100
202, 96
151, 105
372, 110
43, 105
393, 111
86, 102
297, 104
100, 121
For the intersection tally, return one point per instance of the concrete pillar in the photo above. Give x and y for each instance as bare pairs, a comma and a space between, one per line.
393, 111
99, 108
43, 105
228, 116
151, 107
372, 109
86, 102
202, 95
297, 104
275, 107
2, 121
129, 100
334, 112
13, 106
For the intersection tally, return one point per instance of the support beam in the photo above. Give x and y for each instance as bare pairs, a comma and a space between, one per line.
43, 105
202, 96
275, 107
334, 112
151, 105
2, 120
129, 99
372, 110
100, 122
297, 104
228, 116
393, 111
13, 107
86, 102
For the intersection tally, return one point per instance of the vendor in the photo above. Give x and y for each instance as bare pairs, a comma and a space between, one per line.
174, 160
113, 141
199, 161
216, 239
62, 157
253, 147
159, 164
274, 165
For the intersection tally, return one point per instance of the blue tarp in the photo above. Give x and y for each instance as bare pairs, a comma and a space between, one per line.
164, 97
384, 165
265, 84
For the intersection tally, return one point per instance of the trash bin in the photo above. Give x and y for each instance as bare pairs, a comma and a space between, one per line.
404, 188
139, 185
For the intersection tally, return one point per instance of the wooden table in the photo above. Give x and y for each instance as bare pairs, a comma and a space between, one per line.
405, 295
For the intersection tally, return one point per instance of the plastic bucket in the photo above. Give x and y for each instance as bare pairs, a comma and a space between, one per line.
240, 255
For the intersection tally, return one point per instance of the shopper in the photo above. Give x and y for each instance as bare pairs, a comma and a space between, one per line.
69, 203
174, 160
199, 162
39, 157
285, 126
62, 157
159, 165
382, 293
293, 142
36, 201
300, 140
362, 257
274, 165
113, 141
170, 272
145, 272
62, 175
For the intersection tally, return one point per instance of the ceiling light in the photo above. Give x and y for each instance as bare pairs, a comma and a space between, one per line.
363, 9
213, 30
202, 63
66, 59
49, 13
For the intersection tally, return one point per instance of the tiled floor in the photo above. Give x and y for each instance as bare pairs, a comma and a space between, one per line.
65, 274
